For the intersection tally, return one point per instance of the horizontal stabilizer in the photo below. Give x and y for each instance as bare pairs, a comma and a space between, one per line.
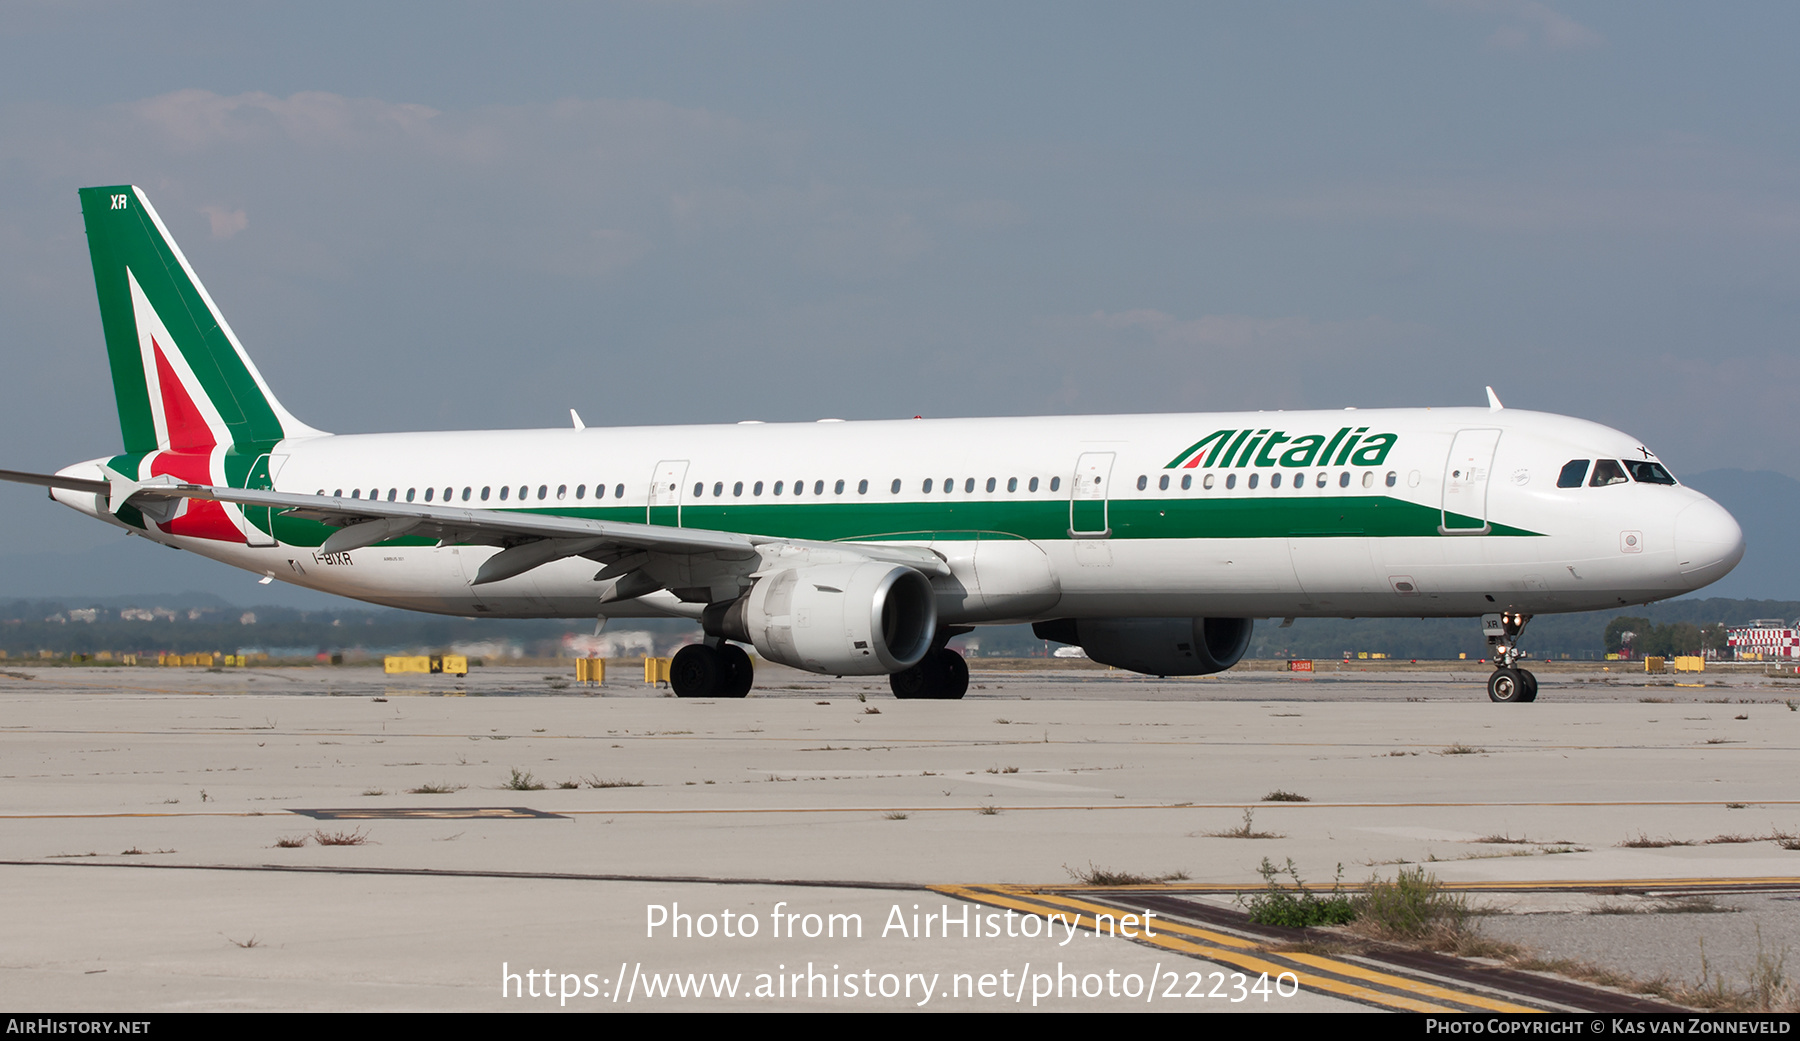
74, 484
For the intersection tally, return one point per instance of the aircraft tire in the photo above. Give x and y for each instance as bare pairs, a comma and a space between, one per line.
1506, 686
697, 671
953, 676
739, 673
1530, 685
916, 682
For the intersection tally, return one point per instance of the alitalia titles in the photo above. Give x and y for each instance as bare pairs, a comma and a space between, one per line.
1233, 448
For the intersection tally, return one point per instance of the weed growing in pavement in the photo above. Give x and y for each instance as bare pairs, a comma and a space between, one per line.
1297, 907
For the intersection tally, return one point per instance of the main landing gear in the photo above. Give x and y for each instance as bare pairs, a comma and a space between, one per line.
701, 671
941, 676
1508, 683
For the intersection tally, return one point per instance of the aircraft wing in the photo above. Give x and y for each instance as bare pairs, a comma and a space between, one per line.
526, 540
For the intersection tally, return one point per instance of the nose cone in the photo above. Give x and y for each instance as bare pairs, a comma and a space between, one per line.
1708, 543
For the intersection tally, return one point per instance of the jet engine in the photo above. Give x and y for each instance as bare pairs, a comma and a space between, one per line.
1155, 646
862, 619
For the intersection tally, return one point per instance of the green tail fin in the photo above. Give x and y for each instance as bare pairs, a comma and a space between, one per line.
182, 380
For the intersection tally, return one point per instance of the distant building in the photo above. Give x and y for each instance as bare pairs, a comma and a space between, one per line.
1764, 638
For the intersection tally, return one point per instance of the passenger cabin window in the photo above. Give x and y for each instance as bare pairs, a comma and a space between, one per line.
1033, 485
991, 484
778, 486
1055, 483
562, 491
1012, 484
756, 489
819, 487
1253, 479
838, 488
1230, 481
927, 485
737, 490
1143, 482
618, 491
1607, 471
428, 494
1187, 481
1207, 482
969, 485
484, 492
505, 490
895, 489
1649, 473
1162, 483
862, 487
581, 491
1275, 479
1573, 473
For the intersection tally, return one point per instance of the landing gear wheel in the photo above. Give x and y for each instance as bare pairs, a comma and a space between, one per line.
941, 676
1507, 685
1530, 685
697, 671
739, 674
954, 675
915, 682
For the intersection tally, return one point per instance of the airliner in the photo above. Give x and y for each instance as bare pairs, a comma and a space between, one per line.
861, 548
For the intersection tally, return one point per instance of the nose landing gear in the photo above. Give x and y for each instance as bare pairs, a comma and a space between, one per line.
1508, 683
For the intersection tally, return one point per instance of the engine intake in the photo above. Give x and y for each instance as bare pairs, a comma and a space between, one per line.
1155, 646
837, 619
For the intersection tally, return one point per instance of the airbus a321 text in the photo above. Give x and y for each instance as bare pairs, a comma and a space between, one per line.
861, 548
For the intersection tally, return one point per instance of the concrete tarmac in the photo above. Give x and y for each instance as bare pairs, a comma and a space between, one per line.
162, 829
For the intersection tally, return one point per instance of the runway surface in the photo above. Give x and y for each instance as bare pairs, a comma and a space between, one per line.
161, 836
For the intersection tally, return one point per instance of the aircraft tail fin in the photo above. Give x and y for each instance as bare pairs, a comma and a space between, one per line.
182, 380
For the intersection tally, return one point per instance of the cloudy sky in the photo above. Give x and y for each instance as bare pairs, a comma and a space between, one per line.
453, 215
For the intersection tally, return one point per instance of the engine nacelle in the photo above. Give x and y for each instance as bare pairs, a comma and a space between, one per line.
1155, 646
864, 619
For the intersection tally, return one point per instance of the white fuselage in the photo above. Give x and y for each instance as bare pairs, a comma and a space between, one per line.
1049, 517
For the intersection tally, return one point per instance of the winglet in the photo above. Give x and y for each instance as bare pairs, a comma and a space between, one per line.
1494, 401
575, 417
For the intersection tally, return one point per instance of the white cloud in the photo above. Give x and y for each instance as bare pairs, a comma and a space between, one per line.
1528, 24
225, 223
586, 187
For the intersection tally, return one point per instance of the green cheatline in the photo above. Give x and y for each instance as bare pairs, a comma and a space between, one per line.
1374, 516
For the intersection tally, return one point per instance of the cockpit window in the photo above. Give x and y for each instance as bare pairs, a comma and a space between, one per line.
1573, 472
1649, 473
1607, 471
